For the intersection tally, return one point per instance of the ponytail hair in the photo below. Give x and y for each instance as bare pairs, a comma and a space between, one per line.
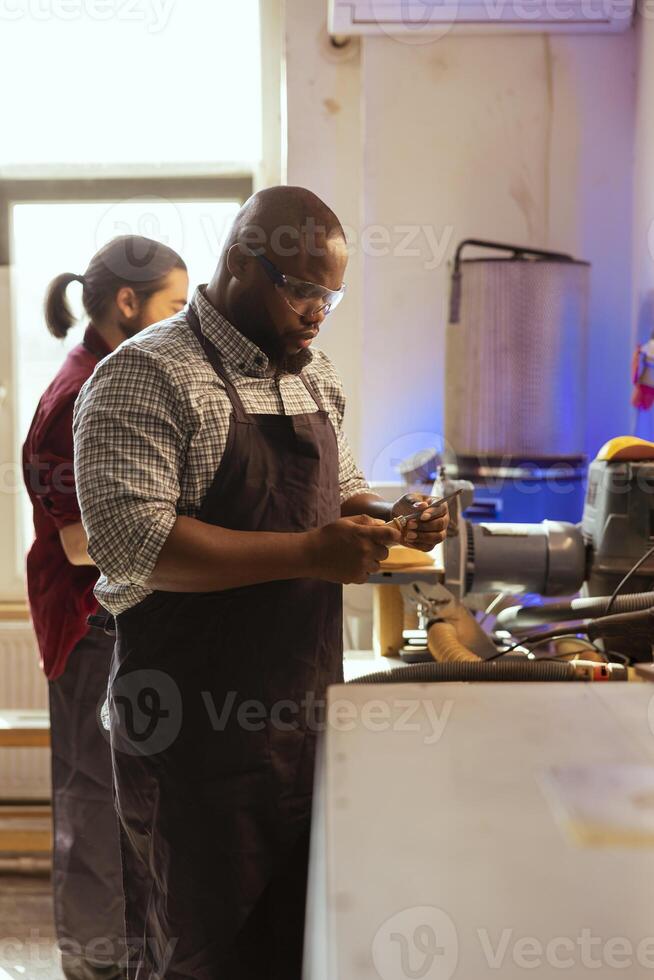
129, 260
58, 314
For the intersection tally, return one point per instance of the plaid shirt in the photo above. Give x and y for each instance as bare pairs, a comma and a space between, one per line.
150, 430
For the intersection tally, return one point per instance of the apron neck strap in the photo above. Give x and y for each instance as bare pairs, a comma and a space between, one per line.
216, 362
313, 391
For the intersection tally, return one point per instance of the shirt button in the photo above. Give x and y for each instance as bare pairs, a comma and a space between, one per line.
242, 365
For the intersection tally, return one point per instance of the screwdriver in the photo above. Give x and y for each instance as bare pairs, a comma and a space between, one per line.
401, 522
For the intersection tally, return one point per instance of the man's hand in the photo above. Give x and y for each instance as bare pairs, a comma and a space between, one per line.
429, 527
350, 550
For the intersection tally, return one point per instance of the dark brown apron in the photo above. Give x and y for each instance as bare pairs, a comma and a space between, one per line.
213, 723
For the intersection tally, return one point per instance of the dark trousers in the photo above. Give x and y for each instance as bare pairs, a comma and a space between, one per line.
270, 945
87, 876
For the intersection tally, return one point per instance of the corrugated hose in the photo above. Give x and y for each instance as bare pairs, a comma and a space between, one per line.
511, 669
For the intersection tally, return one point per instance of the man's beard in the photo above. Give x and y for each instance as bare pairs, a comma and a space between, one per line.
292, 363
131, 329
264, 335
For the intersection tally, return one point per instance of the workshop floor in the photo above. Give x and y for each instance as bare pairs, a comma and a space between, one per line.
27, 943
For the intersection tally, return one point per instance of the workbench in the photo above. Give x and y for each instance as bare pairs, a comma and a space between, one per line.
481, 831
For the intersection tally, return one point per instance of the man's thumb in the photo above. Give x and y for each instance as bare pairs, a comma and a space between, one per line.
366, 519
386, 534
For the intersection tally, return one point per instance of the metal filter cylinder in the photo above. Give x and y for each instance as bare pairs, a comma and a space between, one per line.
516, 354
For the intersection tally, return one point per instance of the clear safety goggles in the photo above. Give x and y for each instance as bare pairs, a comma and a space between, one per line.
304, 298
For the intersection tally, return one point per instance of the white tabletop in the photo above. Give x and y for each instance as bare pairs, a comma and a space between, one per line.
358, 663
444, 847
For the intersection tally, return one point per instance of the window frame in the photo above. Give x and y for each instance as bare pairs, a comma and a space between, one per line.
74, 190
223, 187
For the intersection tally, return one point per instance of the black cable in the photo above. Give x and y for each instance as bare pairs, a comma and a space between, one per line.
621, 657
534, 644
537, 638
578, 653
632, 571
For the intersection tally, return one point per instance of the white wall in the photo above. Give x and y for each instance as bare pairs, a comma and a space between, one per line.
324, 153
526, 139
644, 197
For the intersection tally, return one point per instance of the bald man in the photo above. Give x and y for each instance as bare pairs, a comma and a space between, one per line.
225, 511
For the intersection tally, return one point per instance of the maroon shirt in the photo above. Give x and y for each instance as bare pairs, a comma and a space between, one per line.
60, 594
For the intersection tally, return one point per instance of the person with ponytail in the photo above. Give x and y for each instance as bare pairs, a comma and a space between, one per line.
131, 283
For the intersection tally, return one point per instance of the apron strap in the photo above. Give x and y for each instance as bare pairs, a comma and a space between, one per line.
216, 363
313, 391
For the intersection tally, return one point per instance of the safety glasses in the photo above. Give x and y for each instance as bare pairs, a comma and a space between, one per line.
304, 298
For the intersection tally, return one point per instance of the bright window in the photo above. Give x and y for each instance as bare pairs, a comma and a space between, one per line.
51, 238
111, 82
120, 117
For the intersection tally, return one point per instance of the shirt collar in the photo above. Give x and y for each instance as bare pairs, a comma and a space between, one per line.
235, 349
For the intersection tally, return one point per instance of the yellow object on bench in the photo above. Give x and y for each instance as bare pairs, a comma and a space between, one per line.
627, 449
401, 557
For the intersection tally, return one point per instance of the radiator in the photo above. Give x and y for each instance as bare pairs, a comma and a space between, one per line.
24, 773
